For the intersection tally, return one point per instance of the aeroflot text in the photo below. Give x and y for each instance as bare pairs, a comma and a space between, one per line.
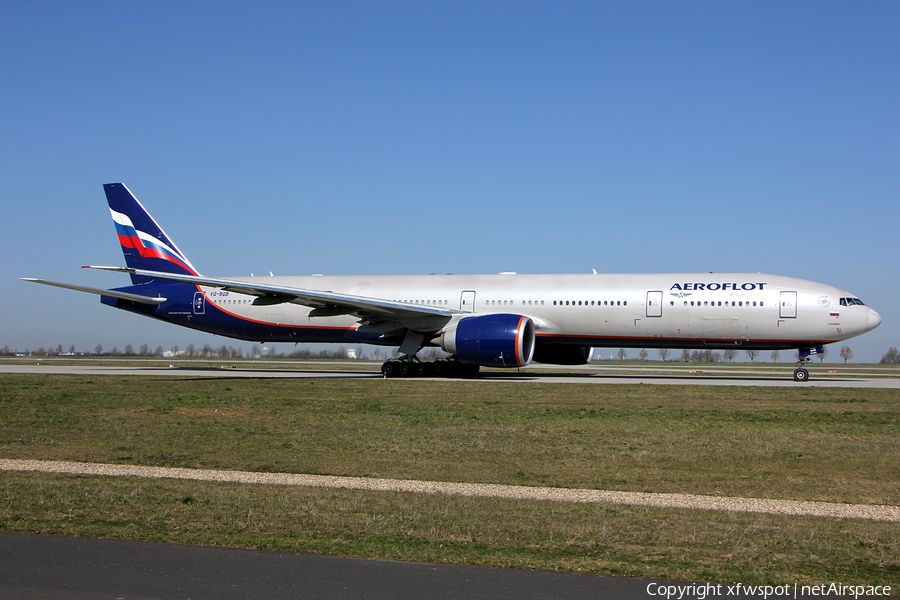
697, 287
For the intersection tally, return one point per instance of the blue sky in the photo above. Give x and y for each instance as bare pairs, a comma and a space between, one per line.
421, 137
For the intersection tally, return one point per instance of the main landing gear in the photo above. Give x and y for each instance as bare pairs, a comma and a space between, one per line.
410, 366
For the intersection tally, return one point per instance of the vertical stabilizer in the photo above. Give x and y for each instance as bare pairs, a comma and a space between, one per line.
144, 243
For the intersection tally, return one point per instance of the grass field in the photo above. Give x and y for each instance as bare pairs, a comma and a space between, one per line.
787, 443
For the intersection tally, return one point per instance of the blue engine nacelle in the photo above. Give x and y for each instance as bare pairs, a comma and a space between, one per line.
494, 340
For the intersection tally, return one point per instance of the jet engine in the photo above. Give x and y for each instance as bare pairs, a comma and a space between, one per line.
492, 340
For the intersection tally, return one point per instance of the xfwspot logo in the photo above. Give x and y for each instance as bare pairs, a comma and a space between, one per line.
701, 591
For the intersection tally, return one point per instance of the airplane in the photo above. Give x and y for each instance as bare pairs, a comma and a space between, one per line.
503, 320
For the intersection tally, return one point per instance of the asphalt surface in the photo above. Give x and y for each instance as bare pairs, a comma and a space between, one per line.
44, 567
37, 567
591, 375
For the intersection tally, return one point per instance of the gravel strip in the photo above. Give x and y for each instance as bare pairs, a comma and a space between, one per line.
776, 507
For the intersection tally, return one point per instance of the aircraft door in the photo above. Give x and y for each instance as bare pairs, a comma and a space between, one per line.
199, 303
654, 304
467, 301
787, 308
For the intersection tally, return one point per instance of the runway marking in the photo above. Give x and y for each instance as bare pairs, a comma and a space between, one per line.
513, 492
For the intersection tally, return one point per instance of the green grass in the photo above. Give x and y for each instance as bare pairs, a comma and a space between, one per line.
803, 443
615, 540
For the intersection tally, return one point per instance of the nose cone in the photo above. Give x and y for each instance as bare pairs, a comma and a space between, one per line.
873, 320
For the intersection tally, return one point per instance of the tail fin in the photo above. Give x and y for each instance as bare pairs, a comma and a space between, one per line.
144, 243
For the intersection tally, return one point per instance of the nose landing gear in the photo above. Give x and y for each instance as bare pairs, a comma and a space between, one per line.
805, 355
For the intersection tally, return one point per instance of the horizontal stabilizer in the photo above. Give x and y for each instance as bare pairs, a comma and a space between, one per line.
80, 288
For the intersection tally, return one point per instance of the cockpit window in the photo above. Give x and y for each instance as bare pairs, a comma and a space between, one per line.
851, 302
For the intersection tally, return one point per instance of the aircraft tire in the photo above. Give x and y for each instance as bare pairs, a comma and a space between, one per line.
801, 374
390, 368
446, 368
466, 371
438, 368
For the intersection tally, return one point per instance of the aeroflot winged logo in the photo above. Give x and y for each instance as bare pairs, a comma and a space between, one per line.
712, 287
147, 245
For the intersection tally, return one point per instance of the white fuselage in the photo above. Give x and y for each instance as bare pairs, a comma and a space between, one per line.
649, 310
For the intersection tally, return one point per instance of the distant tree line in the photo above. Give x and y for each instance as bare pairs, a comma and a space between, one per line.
224, 351
711, 356
892, 356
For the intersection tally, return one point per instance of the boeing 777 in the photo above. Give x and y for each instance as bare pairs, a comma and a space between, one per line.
504, 320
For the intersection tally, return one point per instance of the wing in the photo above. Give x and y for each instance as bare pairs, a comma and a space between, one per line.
115, 294
323, 303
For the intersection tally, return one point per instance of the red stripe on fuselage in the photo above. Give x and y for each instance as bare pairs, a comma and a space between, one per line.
679, 339
249, 320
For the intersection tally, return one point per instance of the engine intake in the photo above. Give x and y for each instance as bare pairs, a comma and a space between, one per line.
493, 340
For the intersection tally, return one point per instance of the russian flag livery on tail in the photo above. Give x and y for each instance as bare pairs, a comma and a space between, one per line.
144, 243
505, 320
